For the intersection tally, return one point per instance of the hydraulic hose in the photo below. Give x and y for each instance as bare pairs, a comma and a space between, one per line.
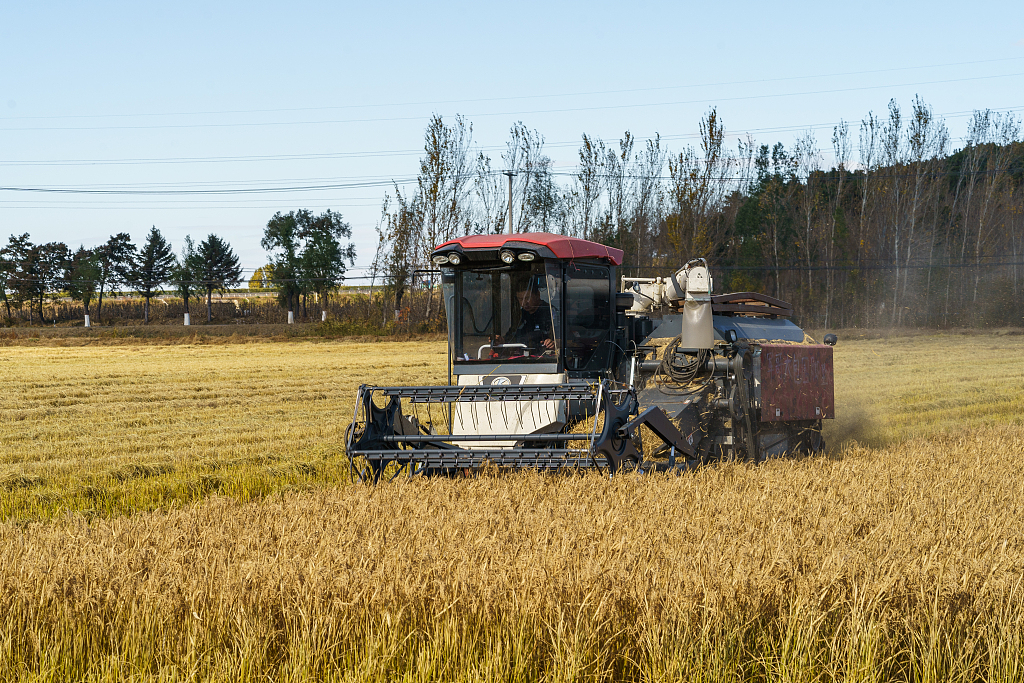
687, 373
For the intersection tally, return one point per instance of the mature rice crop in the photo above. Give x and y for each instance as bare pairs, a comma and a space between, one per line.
898, 556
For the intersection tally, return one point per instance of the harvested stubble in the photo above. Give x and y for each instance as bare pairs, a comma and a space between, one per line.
901, 561
112, 430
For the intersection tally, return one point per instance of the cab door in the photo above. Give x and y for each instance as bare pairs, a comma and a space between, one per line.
589, 317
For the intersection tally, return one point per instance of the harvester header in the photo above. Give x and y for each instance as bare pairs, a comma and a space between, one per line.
555, 362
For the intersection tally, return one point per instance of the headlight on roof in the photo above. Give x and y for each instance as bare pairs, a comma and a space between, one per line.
527, 256
454, 259
508, 256
440, 259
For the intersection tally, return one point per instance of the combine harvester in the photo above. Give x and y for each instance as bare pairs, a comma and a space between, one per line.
554, 367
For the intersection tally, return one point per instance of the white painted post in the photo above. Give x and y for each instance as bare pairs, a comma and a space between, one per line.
88, 323
187, 320
323, 316
291, 317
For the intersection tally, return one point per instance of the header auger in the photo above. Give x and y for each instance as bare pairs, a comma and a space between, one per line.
551, 366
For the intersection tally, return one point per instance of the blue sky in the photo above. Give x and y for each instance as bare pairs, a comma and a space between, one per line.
184, 96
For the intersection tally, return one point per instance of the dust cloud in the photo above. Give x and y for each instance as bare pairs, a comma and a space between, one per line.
855, 424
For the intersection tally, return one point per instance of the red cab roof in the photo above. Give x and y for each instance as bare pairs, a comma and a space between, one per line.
561, 246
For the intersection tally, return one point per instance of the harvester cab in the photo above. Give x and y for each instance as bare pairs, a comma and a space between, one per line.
551, 366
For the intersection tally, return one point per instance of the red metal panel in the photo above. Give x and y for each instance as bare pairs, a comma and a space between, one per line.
796, 382
562, 247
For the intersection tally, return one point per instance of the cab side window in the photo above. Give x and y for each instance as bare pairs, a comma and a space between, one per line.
587, 316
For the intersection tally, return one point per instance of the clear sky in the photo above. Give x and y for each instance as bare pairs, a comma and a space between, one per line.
186, 96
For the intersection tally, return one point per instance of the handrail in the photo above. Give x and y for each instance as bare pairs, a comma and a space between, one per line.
480, 351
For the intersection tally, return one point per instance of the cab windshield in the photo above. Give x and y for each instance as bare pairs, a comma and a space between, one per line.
504, 314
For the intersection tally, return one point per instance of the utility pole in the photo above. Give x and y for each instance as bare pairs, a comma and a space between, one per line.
509, 174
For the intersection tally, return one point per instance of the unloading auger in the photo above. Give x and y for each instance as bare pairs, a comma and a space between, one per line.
551, 366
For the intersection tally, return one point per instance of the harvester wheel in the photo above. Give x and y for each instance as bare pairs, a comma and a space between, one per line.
359, 467
811, 438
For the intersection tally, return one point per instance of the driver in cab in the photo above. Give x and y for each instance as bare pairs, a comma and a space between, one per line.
534, 327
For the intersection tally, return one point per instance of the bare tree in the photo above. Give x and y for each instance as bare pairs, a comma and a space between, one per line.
924, 133
870, 131
1015, 208
399, 244
979, 132
936, 183
1003, 132
894, 154
776, 194
808, 164
697, 187
544, 206
649, 195
744, 164
841, 148
443, 187
525, 159
618, 181
583, 199
492, 204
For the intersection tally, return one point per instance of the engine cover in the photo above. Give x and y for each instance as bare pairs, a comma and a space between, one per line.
796, 382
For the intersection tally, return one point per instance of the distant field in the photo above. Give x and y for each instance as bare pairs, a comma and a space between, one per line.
181, 512
118, 429
114, 335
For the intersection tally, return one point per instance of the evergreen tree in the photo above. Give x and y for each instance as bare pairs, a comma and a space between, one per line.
185, 274
21, 257
82, 276
51, 264
151, 267
217, 267
7, 268
114, 260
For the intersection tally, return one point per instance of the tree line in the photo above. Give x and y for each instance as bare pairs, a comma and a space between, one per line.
901, 227
29, 273
307, 257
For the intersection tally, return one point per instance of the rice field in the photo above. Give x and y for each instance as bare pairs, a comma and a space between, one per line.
110, 430
182, 512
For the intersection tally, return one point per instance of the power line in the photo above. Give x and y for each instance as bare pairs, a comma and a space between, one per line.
414, 152
258, 183
56, 284
192, 206
513, 113
517, 97
389, 183
868, 264
219, 159
226, 191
